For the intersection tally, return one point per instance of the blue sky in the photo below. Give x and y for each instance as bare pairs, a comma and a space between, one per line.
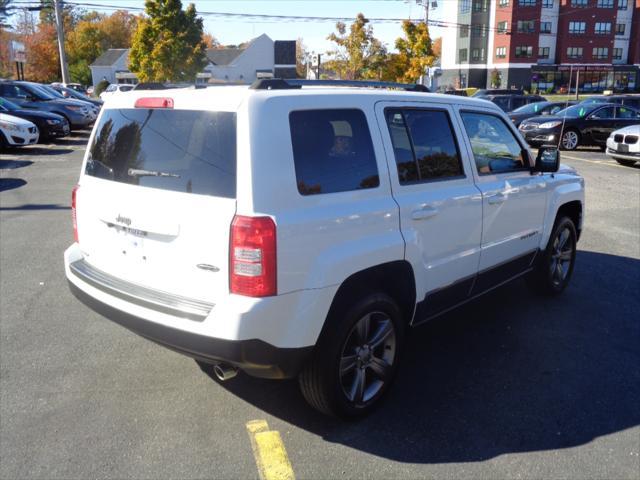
234, 30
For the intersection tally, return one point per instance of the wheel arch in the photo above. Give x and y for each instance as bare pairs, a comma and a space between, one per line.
395, 278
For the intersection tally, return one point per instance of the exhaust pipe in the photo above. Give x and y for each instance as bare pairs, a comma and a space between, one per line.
224, 372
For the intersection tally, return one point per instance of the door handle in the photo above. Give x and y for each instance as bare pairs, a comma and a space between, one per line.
497, 199
424, 213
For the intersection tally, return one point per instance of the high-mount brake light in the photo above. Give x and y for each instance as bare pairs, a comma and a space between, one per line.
252, 256
154, 102
74, 215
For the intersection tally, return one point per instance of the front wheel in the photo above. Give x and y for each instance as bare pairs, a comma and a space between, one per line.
553, 270
570, 140
356, 358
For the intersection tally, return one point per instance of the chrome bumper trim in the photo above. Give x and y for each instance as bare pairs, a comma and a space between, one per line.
169, 303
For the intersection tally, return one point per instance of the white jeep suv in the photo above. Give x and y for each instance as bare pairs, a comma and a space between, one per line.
288, 231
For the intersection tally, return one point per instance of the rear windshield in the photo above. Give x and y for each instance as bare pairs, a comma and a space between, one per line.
180, 150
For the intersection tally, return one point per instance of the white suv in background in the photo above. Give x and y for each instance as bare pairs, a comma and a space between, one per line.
288, 231
115, 88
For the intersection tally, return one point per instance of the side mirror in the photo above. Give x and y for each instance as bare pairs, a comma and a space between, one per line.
548, 159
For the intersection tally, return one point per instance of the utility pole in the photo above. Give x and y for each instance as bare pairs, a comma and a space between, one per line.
59, 29
318, 71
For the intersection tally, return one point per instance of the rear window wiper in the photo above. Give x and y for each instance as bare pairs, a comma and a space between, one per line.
137, 172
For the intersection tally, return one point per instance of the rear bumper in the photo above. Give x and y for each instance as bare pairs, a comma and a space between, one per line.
255, 357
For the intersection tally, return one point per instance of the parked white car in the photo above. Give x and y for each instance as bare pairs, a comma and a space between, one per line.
624, 145
16, 132
115, 88
302, 232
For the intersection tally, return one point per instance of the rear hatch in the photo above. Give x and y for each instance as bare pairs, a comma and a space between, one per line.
157, 198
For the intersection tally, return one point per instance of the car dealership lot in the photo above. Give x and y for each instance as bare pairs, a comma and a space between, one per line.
509, 386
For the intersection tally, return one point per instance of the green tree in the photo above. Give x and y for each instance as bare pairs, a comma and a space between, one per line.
358, 54
415, 52
168, 45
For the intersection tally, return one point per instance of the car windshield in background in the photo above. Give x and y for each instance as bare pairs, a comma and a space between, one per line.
576, 111
181, 150
126, 88
8, 105
531, 108
41, 92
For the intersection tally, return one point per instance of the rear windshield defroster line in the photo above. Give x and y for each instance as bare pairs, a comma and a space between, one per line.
187, 150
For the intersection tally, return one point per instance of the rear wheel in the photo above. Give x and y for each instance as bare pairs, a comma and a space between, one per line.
570, 140
626, 163
356, 359
553, 270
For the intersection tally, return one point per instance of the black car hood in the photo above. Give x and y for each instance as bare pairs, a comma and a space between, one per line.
24, 113
547, 118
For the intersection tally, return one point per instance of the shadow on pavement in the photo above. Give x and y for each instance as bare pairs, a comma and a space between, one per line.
11, 183
37, 206
39, 151
71, 141
510, 372
13, 164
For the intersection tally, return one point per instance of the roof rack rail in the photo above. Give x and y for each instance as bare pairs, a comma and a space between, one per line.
166, 86
295, 83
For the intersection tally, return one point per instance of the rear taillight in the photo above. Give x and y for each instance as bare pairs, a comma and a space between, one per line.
252, 256
74, 217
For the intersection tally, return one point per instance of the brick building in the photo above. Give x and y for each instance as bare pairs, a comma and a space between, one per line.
543, 44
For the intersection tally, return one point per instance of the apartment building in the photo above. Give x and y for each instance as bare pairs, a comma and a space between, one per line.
547, 45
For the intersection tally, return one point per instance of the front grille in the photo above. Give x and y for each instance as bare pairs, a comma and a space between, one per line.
17, 139
631, 139
618, 138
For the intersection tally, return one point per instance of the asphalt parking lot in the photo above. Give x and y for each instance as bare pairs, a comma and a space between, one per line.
510, 386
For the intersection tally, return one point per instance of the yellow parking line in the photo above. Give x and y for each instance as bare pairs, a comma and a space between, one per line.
597, 162
268, 449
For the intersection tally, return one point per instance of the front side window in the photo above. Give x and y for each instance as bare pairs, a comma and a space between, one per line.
424, 145
604, 113
495, 148
332, 151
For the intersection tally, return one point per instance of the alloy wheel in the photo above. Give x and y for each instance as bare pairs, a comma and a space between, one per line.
570, 140
561, 256
368, 357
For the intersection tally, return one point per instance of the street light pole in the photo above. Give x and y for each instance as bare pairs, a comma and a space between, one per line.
60, 31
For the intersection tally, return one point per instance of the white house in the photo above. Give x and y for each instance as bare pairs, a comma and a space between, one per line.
260, 58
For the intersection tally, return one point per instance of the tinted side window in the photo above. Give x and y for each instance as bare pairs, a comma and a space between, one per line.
423, 144
518, 102
502, 102
603, 113
332, 151
625, 113
495, 149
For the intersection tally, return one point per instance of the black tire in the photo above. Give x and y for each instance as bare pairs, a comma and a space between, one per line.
322, 381
546, 278
565, 145
626, 163
3, 142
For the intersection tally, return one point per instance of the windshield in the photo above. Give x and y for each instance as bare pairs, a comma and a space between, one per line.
8, 105
181, 150
51, 91
591, 100
576, 111
531, 108
39, 92
126, 88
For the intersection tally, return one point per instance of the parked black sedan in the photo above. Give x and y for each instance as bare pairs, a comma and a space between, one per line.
537, 108
51, 125
579, 125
